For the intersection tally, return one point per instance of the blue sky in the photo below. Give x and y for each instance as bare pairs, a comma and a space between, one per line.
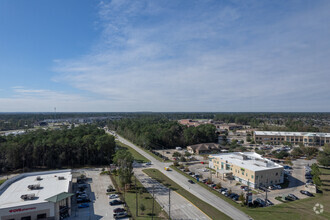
120, 55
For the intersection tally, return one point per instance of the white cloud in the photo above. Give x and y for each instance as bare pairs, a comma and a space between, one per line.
205, 57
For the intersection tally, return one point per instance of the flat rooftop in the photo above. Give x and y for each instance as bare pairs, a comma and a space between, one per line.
285, 133
248, 160
50, 186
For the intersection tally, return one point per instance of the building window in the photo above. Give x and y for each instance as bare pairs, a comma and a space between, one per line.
246, 174
242, 173
42, 216
276, 174
252, 176
256, 177
26, 218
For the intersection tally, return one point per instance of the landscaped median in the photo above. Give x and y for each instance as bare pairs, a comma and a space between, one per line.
209, 210
145, 201
137, 156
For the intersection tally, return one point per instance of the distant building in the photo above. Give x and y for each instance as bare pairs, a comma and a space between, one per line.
205, 148
305, 138
247, 168
230, 126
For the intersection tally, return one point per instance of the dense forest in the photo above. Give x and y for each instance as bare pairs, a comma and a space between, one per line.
82, 145
154, 133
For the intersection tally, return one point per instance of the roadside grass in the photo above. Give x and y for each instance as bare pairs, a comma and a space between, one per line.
2, 181
300, 209
137, 156
209, 210
144, 197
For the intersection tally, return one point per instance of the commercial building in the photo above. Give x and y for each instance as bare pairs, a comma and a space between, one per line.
205, 148
40, 195
305, 138
247, 168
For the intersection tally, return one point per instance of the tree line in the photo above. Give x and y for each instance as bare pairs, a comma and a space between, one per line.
78, 146
155, 133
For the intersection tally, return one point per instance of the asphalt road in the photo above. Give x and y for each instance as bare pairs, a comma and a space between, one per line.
195, 189
180, 207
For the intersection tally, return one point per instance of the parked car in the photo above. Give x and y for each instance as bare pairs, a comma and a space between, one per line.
260, 202
236, 197
243, 187
120, 215
148, 163
223, 189
293, 196
83, 205
277, 186
306, 193
190, 173
308, 177
190, 181
118, 210
116, 202
113, 196
213, 185
271, 187
287, 167
309, 181
82, 200
83, 195
289, 198
268, 202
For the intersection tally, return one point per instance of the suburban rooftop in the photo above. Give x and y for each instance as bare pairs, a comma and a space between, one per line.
285, 133
248, 160
50, 185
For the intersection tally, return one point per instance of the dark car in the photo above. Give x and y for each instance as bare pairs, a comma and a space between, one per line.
110, 190
116, 202
293, 196
120, 215
236, 197
306, 193
289, 198
260, 202
243, 187
190, 181
309, 177
223, 189
82, 200
213, 185
118, 210
268, 202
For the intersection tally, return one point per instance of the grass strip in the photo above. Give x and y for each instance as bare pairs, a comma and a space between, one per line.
209, 210
137, 156
144, 197
2, 181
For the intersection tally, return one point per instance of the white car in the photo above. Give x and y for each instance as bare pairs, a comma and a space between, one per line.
113, 196
278, 186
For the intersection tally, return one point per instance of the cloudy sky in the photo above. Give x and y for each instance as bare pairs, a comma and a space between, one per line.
89, 55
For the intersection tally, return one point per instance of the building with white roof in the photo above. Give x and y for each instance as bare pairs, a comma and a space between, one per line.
39, 195
279, 137
248, 168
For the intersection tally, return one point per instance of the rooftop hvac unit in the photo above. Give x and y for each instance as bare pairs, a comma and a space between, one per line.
28, 196
35, 186
61, 178
38, 178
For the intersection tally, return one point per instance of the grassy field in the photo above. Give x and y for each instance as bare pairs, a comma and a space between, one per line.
2, 181
301, 209
144, 198
137, 156
212, 212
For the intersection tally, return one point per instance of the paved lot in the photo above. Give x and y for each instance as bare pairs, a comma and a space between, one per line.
99, 207
197, 190
180, 207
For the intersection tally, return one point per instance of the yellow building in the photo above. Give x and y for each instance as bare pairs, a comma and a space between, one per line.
247, 168
279, 137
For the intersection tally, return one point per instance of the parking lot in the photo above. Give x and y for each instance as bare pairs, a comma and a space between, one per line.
296, 181
99, 207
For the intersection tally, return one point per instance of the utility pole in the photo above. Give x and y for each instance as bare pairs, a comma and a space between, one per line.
153, 202
136, 199
169, 203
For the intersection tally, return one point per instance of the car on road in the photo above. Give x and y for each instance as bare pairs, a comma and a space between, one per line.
167, 169
271, 187
118, 210
120, 215
113, 196
116, 202
148, 163
306, 193
277, 186
83, 205
190, 181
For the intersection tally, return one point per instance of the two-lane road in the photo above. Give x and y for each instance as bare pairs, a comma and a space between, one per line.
195, 189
